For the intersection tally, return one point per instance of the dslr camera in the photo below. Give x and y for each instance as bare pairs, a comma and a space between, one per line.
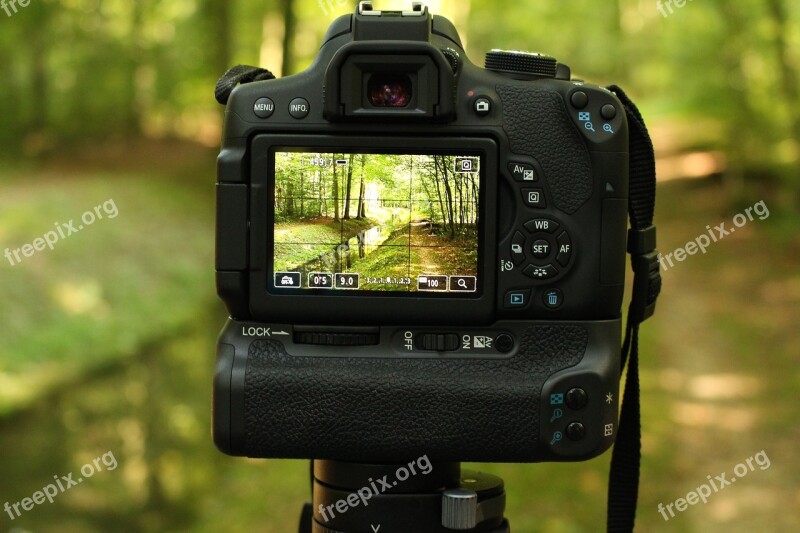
421, 257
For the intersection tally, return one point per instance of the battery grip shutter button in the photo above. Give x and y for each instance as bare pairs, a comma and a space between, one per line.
523, 63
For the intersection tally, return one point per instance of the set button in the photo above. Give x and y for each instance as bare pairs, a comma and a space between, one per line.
540, 249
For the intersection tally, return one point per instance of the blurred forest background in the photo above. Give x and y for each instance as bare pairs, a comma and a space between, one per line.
108, 338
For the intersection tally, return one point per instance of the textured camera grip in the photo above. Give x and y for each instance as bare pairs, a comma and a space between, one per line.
388, 409
537, 125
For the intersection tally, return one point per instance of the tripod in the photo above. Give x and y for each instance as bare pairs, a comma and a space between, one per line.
403, 498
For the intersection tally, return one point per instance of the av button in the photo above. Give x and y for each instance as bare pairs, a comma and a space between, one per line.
504, 343
299, 108
522, 171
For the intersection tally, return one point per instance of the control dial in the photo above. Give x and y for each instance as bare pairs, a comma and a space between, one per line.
521, 63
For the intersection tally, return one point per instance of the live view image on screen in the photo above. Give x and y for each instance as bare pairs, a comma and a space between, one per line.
376, 222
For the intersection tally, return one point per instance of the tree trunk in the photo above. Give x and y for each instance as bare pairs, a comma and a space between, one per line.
788, 76
219, 20
349, 184
336, 191
289, 33
362, 211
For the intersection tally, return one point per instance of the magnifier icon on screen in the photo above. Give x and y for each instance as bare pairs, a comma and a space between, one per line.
462, 283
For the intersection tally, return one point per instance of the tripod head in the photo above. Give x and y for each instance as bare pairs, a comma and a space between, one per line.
418, 496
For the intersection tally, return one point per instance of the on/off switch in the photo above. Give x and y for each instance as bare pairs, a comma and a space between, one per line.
438, 342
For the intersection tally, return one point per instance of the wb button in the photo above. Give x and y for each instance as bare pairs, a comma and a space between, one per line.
517, 299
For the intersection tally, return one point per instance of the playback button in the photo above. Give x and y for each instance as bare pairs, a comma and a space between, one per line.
517, 299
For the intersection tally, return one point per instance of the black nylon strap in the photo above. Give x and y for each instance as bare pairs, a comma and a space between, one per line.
623, 485
239, 74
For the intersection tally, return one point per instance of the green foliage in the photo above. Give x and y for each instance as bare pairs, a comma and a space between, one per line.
102, 292
81, 70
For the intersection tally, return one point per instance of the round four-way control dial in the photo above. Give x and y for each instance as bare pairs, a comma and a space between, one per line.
543, 248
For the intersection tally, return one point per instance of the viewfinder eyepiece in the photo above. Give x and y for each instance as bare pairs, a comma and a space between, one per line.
389, 90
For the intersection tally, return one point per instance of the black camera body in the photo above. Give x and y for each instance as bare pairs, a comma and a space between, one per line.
420, 256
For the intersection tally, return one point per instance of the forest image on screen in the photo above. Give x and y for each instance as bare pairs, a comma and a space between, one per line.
376, 222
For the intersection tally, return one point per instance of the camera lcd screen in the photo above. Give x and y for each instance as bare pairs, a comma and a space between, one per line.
369, 222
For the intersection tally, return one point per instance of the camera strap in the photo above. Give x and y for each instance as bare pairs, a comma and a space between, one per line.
239, 74
623, 485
